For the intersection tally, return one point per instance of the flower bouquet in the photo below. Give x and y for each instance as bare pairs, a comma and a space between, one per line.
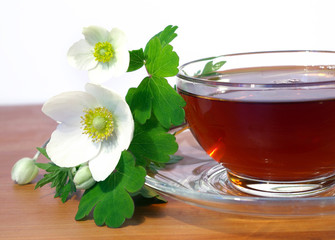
105, 144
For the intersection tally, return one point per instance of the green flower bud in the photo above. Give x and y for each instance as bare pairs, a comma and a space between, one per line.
73, 171
83, 178
24, 171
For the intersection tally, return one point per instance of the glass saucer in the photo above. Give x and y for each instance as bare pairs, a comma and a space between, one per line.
200, 181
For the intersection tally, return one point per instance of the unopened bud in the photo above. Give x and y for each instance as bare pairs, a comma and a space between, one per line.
83, 178
24, 171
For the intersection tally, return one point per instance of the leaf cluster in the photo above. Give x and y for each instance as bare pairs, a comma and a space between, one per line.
154, 95
60, 178
156, 106
111, 198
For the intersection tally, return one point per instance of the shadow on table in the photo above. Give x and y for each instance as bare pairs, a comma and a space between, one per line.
146, 208
254, 227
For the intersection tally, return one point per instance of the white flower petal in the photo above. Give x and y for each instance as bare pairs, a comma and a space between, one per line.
118, 38
124, 122
105, 162
122, 62
95, 34
68, 107
100, 73
80, 55
68, 147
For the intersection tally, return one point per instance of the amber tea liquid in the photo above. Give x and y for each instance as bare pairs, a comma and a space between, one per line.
270, 140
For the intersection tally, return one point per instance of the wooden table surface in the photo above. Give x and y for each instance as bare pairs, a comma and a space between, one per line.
26, 213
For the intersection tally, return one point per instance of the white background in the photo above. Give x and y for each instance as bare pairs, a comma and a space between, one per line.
36, 34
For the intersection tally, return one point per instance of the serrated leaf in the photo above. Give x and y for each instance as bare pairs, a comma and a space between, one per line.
210, 68
136, 60
168, 104
60, 182
140, 101
157, 96
161, 61
165, 36
110, 198
152, 143
69, 188
60, 178
46, 179
106, 211
218, 65
130, 95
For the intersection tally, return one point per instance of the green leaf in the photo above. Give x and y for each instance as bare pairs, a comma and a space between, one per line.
154, 166
152, 143
161, 61
44, 166
148, 192
155, 94
60, 178
218, 65
210, 68
68, 189
168, 104
165, 36
46, 179
110, 198
175, 159
43, 151
140, 100
130, 95
136, 60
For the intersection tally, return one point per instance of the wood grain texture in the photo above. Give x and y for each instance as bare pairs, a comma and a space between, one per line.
26, 213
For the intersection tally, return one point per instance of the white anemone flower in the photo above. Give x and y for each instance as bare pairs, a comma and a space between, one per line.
102, 53
94, 127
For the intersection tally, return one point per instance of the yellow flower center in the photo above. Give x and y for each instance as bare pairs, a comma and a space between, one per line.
103, 52
98, 123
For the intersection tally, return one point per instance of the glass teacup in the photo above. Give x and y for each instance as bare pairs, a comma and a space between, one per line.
267, 117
